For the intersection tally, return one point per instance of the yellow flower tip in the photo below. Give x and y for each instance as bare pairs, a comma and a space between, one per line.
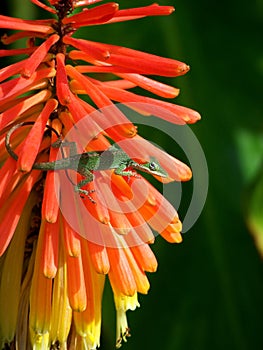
145, 257
177, 237
172, 232
191, 116
172, 236
144, 286
131, 131
124, 129
178, 226
184, 173
99, 258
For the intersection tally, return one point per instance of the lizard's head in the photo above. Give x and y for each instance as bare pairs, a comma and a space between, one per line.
152, 167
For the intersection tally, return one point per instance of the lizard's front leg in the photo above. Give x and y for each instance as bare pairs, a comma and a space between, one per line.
83, 171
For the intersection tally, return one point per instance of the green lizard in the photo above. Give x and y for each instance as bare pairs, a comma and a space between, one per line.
85, 163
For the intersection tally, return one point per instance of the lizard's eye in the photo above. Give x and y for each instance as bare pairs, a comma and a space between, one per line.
153, 166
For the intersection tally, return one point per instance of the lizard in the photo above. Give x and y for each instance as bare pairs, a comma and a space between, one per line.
87, 162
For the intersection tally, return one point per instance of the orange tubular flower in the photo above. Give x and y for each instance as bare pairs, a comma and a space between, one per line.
53, 269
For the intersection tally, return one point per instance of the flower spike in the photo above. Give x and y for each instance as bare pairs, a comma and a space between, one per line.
75, 206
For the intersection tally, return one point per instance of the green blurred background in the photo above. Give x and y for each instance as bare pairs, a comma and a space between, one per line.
207, 293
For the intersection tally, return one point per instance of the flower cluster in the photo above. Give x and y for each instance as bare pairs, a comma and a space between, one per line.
52, 270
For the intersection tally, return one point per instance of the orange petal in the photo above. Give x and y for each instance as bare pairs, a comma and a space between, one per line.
119, 222
26, 51
151, 85
98, 209
76, 283
71, 239
43, 6
10, 39
10, 70
172, 232
14, 112
87, 46
10, 181
79, 109
80, 3
113, 119
120, 187
138, 12
96, 15
33, 140
99, 257
63, 92
141, 149
143, 232
50, 249
162, 109
21, 24
155, 209
7, 175
141, 280
17, 86
10, 176
50, 205
98, 143
144, 257
120, 274
11, 210
38, 56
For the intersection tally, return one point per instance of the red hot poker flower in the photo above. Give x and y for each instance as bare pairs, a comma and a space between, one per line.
52, 270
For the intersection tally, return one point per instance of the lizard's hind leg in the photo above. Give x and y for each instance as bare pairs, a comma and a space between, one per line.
88, 178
